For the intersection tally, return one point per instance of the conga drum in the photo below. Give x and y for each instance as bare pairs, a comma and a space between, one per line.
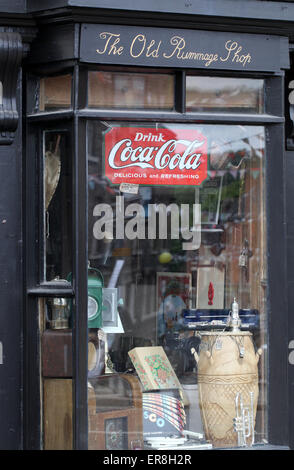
228, 386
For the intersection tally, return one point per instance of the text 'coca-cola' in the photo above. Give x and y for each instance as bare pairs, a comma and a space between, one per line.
151, 156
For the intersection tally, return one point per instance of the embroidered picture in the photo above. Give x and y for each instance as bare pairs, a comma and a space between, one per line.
153, 368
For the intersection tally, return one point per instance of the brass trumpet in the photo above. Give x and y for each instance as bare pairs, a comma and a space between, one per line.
244, 421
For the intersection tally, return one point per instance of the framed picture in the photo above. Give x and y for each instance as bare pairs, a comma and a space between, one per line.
173, 294
210, 288
210, 200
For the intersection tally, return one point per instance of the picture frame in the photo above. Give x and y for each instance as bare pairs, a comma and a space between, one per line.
210, 287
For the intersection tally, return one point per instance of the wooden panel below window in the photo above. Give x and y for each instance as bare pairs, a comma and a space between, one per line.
58, 408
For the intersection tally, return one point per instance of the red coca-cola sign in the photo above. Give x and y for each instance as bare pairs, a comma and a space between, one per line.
142, 155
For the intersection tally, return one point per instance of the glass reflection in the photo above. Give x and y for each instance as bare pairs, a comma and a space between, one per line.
130, 90
176, 299
55, 93
224, 95
57, 206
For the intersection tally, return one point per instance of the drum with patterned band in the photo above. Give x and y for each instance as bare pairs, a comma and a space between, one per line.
227, 366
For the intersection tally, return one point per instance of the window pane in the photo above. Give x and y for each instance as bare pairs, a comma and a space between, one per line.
222, 94
126, 90
172, 338
55, 93
57, 205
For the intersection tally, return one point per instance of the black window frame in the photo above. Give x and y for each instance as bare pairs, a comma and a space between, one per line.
76, 119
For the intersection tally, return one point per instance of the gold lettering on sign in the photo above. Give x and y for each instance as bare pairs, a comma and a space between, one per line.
153, 52
234, 50
179, 43
141, 46
137, 39
181, 54
110, 46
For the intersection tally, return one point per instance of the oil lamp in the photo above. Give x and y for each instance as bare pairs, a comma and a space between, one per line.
59, 313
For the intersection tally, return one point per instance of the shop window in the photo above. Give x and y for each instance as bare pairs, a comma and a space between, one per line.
222, 94
55, 93
176, 250
176, 282
130, 90
57, 205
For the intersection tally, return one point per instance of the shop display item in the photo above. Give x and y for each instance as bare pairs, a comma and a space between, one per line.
52, 173
244, 420
189, 441
154, 369
115, 412
109, 309
95, 286
163, 413
227, 365
210, 287
102, 302
96, 353
57, 353
58, 317
204, 319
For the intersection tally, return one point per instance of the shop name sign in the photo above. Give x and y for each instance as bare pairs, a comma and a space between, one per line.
141, 155
124, 45
141, 46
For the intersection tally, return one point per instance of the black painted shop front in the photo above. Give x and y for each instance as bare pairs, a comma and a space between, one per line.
146, 227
